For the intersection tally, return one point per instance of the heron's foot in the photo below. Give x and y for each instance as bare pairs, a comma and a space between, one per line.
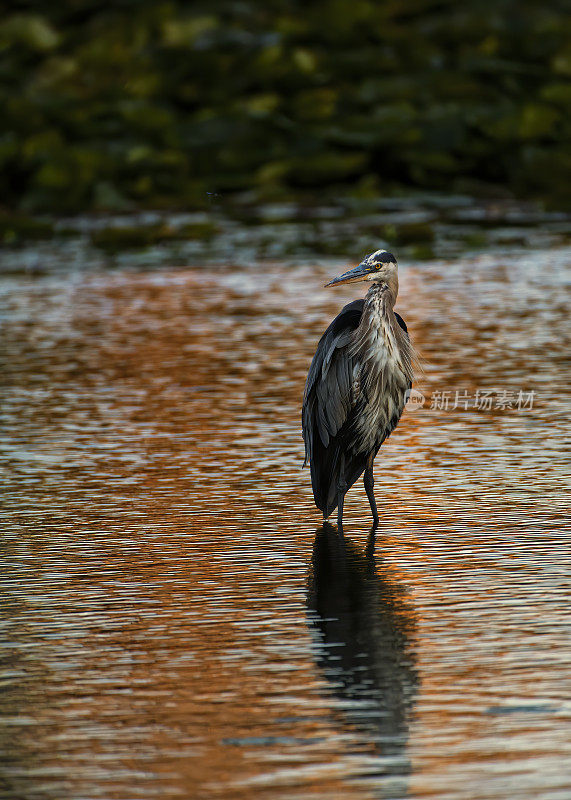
371, 542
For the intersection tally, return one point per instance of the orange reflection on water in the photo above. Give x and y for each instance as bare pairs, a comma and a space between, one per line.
177, 623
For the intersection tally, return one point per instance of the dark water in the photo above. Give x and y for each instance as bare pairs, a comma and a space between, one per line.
175, 621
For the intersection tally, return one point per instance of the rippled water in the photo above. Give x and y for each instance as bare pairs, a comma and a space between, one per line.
175, 621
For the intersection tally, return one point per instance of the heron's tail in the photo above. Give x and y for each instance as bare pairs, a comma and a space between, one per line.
326, 475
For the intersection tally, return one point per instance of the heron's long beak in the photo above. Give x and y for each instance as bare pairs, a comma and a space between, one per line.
359, 273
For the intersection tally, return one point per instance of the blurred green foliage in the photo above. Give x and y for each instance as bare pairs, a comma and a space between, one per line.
156, 104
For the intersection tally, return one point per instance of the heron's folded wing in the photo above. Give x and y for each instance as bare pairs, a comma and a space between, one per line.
346, 321
327, 396
333, 390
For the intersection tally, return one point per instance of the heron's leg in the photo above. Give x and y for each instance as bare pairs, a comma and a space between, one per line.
341, 492
340, 511
369, 482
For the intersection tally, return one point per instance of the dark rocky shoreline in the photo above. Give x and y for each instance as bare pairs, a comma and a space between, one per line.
162, 106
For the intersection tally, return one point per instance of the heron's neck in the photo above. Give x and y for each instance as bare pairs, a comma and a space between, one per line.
378, 322
379, 331
381, 298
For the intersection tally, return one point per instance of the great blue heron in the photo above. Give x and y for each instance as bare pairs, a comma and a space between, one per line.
356, 387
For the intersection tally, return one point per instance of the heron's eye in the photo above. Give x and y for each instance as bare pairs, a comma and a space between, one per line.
378, 266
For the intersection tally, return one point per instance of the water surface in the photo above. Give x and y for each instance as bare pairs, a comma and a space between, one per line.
176, 622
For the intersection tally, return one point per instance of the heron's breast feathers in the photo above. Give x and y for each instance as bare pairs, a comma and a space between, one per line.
382, 373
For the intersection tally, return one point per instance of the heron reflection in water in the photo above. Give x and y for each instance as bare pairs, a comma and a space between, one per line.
357, 387
364, 628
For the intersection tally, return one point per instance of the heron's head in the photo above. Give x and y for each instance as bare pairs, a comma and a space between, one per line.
378, 267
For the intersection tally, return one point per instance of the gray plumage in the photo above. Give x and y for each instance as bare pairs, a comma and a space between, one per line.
356, 387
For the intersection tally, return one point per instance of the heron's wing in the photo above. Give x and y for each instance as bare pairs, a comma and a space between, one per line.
327, 399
